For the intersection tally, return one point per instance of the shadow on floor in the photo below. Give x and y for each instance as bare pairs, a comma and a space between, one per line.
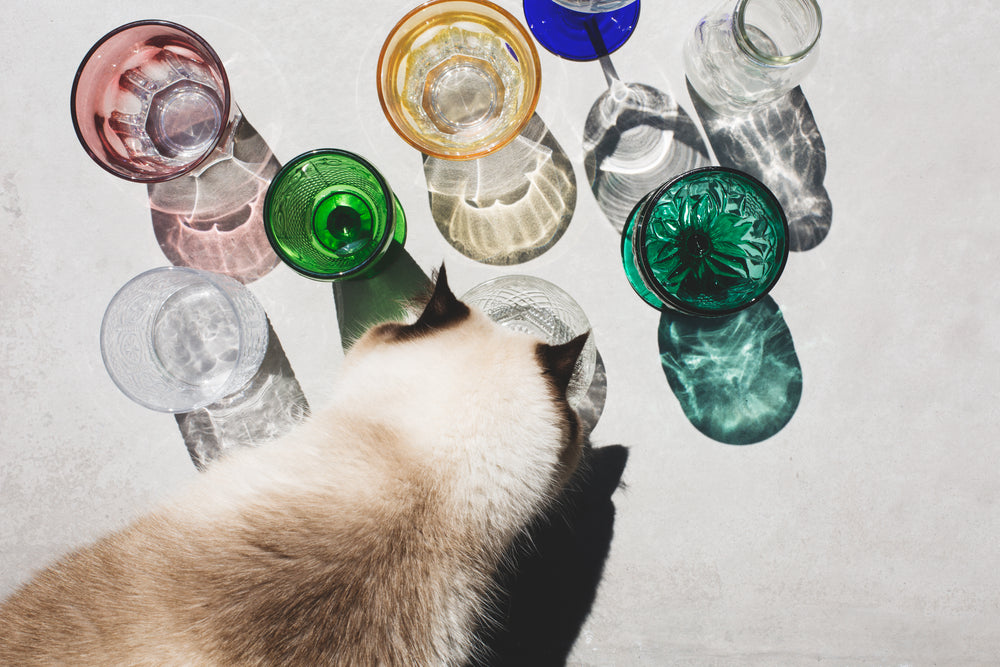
781, 146
266, 408
635, 139
212, 218
509, 206
548, 592
737, 378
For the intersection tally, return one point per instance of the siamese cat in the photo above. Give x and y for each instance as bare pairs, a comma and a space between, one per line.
369, 536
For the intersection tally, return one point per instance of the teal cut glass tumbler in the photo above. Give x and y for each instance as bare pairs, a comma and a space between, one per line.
708, 243
330, 215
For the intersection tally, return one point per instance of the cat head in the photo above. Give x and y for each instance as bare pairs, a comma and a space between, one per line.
468, 388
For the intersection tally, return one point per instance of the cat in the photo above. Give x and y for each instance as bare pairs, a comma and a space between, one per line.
369, 536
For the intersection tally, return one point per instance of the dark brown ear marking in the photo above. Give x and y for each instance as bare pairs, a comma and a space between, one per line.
444, 309
558, 361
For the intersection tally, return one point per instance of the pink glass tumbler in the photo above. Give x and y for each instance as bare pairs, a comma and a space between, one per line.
151, 101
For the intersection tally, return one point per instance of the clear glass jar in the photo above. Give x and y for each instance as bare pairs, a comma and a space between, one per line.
751, 54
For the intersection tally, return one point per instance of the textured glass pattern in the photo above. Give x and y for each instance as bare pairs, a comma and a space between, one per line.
710, 242
175, 339
150, 101
458, 79
329, 214
539, 308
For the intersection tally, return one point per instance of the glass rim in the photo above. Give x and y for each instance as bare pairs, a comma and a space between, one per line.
430, 149
226, 102
490, 283
588, 355
209, 276
746, 44
390, 203
600, 11
642, 209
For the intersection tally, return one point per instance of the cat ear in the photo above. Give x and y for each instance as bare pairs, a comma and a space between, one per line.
558, 361
443, 309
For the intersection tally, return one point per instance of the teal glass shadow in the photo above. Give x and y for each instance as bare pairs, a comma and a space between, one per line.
737, 378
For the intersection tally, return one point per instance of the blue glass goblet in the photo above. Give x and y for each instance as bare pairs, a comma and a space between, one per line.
581, 29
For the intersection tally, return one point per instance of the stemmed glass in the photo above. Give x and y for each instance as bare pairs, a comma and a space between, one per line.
636, 136
331, 215
581, 29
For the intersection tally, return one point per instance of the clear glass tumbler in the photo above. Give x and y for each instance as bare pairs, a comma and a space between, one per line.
746, 55
176, 339
544, 310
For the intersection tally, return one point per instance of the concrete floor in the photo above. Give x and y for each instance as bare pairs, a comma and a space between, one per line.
864, 531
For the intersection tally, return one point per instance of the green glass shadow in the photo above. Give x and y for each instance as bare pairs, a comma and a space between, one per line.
737, 378
369, 300
710, 242
330, 215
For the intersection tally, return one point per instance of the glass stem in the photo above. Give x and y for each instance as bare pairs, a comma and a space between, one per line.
610, 73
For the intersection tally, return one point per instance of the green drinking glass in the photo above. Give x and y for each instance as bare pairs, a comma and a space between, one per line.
710, 242
330, 215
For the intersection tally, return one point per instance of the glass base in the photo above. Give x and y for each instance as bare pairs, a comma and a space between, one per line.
579, 35
196, 336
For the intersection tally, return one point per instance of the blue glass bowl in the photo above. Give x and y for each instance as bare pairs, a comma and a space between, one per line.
578, 35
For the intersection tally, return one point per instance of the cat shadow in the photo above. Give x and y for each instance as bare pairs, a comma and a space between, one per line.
781, 146
212, 219
507, 207
548, 589
636, 138
737, 378
267, 407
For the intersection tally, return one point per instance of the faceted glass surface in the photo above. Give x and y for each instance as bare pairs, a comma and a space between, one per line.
539, 308
710, 242
329, 214
458, 79
151, 101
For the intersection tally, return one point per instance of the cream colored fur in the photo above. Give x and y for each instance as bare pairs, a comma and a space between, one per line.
368, 536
